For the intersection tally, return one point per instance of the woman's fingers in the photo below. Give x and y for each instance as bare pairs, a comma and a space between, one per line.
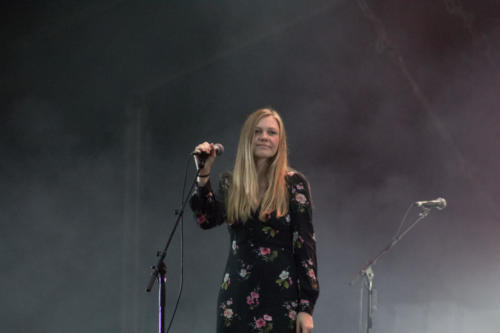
304, 323
208, 149
204, 147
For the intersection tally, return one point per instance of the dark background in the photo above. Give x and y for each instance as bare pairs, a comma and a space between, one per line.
385, 102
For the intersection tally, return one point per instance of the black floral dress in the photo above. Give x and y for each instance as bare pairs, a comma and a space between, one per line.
271, 271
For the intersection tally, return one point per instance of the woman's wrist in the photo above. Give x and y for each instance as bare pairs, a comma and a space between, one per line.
202, 178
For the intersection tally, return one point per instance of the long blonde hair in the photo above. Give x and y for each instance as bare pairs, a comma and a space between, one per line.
242, 198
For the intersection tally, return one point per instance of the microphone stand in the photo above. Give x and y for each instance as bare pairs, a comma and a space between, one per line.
368, 273
160, 270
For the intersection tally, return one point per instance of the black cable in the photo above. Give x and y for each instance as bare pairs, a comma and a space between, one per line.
396, 235
182, 248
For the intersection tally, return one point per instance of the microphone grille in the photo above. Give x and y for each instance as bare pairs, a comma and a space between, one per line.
219, 149
442, 202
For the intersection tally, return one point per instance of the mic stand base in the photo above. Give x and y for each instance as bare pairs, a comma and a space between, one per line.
162, 279
371, 306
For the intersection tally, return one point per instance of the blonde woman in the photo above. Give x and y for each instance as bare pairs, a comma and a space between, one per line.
270, 281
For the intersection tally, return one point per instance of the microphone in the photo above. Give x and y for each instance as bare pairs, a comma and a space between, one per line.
219, 150
439, 203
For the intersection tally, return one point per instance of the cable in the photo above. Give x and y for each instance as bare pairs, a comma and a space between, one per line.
403, 221
181, 284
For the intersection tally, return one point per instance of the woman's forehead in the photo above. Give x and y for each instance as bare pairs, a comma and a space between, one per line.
268, 122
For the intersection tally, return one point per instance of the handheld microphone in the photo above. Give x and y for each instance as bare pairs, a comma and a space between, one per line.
219, 150
439, 203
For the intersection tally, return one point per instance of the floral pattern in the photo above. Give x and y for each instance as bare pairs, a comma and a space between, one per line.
201, 219
245, 270
262, 324
271, 271
284, 279
226, 282
234, 246
311, 274
266, 254
297, 240
291, 312
227, 312
270, 231
253, 299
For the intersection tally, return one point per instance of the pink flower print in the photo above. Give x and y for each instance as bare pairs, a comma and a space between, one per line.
268, 317
243, 272
304, 302
228, 313
266, 254
311, 274
291, 313
290, 173
229, 301
299, 186
253, 299
260, 323
201, 219
310, 262
300, 198
265, 251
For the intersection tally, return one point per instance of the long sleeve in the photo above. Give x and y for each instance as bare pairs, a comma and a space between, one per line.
208, 206
304, 243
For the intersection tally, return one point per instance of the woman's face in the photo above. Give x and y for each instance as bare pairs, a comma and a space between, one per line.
266, 139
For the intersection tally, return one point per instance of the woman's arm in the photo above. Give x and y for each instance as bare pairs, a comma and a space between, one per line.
209, 207
304, 246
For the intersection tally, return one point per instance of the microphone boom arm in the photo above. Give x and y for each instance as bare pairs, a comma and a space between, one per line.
368, 273
425, 212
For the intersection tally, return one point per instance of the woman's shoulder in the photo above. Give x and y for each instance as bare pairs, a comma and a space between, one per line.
295, 177
297, 182
299, 188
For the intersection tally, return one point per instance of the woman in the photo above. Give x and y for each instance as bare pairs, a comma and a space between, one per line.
270, 283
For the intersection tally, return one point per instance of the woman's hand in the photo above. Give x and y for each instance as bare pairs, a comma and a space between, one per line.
207, 148
304, 323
